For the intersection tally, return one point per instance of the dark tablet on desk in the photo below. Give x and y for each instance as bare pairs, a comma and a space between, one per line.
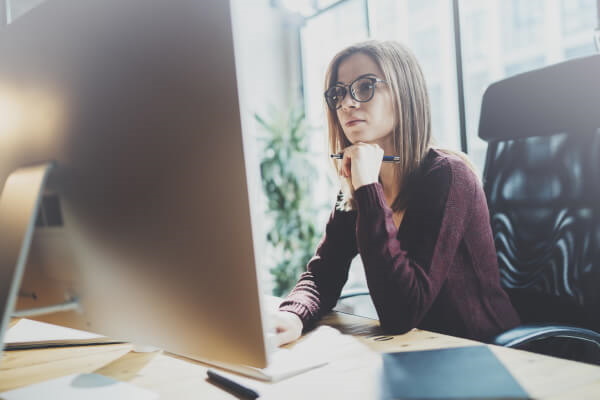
471, 372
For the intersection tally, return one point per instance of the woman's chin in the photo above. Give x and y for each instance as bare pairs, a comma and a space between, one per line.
362, 140
361, 137
357, 137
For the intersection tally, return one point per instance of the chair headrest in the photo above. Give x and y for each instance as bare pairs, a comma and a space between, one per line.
564, 97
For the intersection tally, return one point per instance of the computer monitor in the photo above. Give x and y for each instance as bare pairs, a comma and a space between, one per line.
145, 217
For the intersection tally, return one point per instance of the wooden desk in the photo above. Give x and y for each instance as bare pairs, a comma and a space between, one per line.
175, 377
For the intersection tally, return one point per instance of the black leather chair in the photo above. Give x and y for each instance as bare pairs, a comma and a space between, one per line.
542, 181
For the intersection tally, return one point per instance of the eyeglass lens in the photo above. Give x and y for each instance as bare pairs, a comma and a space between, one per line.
361, 90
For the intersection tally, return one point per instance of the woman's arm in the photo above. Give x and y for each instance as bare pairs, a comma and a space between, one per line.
403, 289
319, 288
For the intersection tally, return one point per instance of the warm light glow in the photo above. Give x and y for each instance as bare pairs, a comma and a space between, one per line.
31, 113
11, 112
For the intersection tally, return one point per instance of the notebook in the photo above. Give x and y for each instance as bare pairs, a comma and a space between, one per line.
29, 334
471, 372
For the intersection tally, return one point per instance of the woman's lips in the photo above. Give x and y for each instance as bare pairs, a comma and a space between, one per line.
354, 122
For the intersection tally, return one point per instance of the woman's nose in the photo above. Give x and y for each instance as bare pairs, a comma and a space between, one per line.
348, 101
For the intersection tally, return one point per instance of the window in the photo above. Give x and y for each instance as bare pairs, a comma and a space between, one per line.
325, 3
475, 36
420, 5
580, 51
577, 15
518, 36
18, 8
524, 66
474, 88
523, 22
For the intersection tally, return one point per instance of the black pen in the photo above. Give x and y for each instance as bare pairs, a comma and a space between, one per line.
231, 385
339, 156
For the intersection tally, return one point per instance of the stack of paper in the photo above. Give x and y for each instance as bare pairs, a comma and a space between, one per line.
27, 334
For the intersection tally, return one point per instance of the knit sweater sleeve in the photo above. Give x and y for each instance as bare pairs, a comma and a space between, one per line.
403, 288
319, 288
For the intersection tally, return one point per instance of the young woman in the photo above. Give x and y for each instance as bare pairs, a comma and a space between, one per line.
421, 225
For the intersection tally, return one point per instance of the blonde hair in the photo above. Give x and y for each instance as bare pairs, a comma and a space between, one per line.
412, 113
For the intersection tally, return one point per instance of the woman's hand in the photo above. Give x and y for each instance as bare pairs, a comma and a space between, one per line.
288, 327
362, 163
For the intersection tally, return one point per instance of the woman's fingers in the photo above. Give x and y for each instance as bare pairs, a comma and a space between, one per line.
284, 336
288, 327
366, 158
346, 164
348, 152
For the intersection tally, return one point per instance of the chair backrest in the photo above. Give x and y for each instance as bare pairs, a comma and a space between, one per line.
542, 181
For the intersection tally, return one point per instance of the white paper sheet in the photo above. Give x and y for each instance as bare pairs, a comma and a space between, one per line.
27, 330
80, 386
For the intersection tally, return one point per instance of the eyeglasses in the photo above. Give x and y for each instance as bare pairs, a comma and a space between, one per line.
362, 89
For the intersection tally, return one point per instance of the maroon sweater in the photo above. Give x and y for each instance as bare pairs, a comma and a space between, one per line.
438, 271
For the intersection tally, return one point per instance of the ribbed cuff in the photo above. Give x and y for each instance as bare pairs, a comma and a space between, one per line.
370, 196
300, 310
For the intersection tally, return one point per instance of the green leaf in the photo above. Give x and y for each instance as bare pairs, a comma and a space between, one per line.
287, 172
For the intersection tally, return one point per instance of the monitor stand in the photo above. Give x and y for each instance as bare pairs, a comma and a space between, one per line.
19, 204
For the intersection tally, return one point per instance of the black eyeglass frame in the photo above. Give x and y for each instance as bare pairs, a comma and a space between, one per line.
333, 107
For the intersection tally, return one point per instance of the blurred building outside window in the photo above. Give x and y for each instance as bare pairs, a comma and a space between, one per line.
17, 8
518, 36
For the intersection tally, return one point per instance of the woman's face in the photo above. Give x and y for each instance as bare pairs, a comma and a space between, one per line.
371, 121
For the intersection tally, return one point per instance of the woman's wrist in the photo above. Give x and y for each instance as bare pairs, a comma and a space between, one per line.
369, 196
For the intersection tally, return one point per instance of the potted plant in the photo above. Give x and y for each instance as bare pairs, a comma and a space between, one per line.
287, 173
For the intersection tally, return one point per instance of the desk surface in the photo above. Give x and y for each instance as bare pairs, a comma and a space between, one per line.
175, 377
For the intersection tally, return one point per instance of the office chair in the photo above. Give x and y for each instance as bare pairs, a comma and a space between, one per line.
541, 179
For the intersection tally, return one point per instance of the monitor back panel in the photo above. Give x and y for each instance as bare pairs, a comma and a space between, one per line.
147, 212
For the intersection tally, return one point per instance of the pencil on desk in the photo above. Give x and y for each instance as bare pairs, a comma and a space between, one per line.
235, 387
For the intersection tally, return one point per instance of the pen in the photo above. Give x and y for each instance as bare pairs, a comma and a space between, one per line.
339, 156
243, 391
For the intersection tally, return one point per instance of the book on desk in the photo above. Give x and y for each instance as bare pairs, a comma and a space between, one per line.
471, 372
